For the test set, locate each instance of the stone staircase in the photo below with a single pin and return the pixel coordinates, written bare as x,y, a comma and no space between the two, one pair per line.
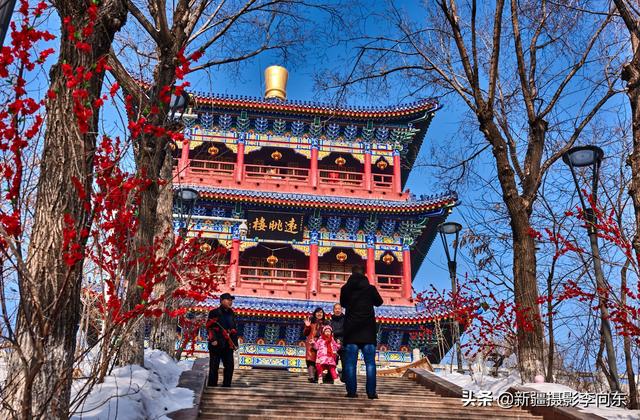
276,394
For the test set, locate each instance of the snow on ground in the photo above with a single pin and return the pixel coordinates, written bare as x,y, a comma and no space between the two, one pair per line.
479,380
3,367
606,412
136,393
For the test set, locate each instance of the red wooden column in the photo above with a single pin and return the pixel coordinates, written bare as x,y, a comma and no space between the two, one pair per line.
371,259
184,159
313,170
312,283
367,167
397,176
240,161
234,263
406,273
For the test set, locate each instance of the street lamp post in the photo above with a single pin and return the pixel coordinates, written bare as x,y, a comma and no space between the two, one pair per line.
446,229
591,157
6,10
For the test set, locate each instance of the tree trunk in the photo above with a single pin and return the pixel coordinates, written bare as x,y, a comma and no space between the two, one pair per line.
41,364
529,326
530,335
631,75
164,334
150,158
132,350
628,357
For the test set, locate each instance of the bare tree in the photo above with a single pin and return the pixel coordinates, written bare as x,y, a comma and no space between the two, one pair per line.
225,32
533,74
41,361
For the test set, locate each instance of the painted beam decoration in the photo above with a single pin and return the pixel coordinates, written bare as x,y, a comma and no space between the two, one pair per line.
275,225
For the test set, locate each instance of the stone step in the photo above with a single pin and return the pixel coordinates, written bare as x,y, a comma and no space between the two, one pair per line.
397,384
384,379
336,392
341,417
362,379
284,373
320,389
363,406
244,383
317,393
349,413
274,394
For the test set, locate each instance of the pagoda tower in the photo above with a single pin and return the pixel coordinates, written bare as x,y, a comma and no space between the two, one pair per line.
319,188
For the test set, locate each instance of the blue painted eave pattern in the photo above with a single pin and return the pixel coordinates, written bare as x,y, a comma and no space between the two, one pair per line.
413,203
295,306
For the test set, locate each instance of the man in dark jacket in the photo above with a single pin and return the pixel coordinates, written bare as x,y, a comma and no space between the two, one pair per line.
359,297
223,340
337,324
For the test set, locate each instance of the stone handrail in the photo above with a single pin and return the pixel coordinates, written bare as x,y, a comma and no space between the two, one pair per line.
447,389
195,380
399,371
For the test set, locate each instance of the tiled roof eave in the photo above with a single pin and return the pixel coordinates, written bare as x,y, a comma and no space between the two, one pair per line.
340,203
394,112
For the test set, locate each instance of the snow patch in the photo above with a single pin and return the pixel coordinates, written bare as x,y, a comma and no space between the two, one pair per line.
606,412
135,393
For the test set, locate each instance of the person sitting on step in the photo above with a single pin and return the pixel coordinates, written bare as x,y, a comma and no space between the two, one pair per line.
327,353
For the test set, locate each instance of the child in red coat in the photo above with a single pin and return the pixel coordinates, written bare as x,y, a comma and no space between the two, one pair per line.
327,348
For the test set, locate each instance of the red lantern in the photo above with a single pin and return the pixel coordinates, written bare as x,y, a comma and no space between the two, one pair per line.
272,260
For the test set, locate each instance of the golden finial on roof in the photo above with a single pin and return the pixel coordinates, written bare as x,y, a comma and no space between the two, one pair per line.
275,78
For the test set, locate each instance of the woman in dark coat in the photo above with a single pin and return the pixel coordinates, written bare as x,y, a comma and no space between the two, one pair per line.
312,328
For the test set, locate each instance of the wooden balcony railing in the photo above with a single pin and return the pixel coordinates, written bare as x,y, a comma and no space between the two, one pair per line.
340,178
273,276
330,279
294,280
387,282
204,171
277,173
383,181
210,168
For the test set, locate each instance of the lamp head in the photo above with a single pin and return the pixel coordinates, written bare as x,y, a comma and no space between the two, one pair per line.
187,195
178,103
583,156
449,228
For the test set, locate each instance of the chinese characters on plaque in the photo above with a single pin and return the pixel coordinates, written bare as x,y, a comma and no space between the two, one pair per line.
273,225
